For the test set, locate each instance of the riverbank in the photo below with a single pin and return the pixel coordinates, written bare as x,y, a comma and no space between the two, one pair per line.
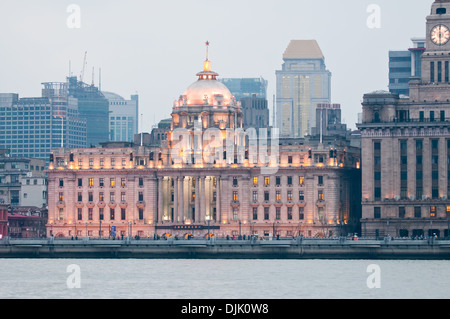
226,249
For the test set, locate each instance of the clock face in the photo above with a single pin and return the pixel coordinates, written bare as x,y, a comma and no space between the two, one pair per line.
440,35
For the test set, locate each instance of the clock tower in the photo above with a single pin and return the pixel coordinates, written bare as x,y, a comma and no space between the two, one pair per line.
434,85
436,58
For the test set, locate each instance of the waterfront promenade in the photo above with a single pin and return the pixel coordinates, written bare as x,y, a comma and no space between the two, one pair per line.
220,248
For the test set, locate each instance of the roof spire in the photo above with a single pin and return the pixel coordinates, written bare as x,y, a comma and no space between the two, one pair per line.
207,64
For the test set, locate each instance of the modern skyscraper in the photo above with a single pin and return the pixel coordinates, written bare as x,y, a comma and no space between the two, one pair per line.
94,107
32,127
123,117
404,65
302,83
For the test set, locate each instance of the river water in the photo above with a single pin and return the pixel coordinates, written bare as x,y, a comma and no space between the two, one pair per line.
223,279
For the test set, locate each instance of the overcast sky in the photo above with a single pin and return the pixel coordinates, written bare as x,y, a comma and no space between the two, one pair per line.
155,48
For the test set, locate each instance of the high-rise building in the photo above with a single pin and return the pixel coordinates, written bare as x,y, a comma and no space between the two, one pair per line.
406,146
32,127
252,93
302,83
246,87
123,117
94,107
404,65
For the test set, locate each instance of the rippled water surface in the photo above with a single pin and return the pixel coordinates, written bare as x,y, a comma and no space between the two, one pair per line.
221,279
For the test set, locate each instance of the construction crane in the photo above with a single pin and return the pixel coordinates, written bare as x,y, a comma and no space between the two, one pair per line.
84,65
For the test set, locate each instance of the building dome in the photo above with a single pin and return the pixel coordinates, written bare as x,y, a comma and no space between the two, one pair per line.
209,92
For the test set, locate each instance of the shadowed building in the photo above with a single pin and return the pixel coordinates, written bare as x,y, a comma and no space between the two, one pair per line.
406,146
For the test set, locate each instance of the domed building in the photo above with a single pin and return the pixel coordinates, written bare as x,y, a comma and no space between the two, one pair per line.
207,101
229,188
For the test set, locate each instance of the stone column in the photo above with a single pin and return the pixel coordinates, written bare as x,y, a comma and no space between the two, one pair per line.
160,198
181,209
175,199
218,196
197,197
202,200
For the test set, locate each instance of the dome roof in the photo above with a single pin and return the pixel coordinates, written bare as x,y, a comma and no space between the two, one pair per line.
212,90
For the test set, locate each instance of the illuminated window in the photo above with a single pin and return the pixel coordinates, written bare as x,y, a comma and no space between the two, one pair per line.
123,182
112,182
61,197
320,195
255,180
278,196
433,211
91,182
289,195
302,180
235,196
101,197
266,181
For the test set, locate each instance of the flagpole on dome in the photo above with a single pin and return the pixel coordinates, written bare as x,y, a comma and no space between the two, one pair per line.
207,64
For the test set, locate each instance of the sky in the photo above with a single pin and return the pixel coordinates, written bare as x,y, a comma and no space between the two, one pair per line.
155,48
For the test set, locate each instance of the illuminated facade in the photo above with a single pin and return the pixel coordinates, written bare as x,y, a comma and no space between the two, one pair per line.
210,178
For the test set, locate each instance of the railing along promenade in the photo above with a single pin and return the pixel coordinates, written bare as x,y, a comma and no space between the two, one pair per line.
283,248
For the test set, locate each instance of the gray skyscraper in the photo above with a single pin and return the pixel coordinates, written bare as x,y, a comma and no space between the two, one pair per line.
403,65
302,83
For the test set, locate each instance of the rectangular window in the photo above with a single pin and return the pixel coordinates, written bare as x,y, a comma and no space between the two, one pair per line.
266,196
289,195
278,213
141,197
101,182
80,182
101,213
255,196
112,182
80,213
123,197
91,182
255,213
266,213
377,212
417,212
432,72
301,213
266,181
235,181
301,196
289,213
320,195
101,196
141,181
401,212
90,196
80,197
90,213
141,213
255,180
278,196
123,182
289,180
235,196
278,181
301,180
112,213
61,183
446,72
439,76
320,180
123,214
112,197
